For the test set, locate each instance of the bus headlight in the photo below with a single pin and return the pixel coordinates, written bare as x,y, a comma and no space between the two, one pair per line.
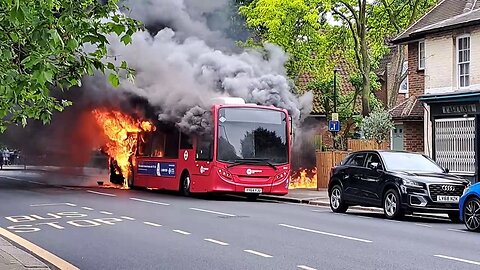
281,175
224,173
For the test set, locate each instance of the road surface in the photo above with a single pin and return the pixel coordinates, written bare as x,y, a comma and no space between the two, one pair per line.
98,228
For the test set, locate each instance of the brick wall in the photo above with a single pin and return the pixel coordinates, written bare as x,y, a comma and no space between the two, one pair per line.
413,136
416,78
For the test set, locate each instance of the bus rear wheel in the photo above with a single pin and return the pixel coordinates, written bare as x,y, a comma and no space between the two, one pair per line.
185,185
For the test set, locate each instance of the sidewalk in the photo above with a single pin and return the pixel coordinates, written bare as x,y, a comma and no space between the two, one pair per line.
312,197
14,258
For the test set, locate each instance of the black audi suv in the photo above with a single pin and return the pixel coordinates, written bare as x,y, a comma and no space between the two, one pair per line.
398,182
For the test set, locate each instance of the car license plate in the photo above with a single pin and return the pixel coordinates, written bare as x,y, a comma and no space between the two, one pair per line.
454,199
253,190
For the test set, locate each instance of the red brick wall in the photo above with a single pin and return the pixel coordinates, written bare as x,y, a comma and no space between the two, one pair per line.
413,136
416,78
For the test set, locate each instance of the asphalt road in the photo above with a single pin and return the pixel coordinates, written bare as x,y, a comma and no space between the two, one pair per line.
95,228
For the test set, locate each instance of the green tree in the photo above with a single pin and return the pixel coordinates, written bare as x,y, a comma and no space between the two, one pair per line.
298,27
377,126
47,44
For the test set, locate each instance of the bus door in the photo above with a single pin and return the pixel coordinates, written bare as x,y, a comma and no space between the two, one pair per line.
202,170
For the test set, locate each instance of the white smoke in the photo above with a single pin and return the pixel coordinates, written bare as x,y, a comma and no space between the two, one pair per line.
177,75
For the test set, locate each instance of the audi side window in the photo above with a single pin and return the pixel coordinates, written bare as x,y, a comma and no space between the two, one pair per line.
357,160
374,158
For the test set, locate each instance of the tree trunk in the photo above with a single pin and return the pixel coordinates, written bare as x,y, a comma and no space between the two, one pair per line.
398,76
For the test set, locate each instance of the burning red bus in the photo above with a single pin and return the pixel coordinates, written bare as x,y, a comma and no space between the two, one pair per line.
248,152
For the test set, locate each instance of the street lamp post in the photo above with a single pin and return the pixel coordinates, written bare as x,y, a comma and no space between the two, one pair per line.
335,103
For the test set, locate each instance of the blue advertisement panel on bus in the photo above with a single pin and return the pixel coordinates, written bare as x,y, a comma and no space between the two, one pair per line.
153,168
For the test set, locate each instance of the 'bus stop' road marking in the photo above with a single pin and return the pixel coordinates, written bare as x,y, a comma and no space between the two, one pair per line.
216,242
52,204
88,208
212,212
101,193
106,213
147,201
127,218
258,253
457,259
325,233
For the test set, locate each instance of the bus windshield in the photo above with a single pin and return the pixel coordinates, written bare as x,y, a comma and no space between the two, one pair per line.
252,134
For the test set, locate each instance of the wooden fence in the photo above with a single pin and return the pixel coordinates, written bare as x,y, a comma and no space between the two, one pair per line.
359,145
327,160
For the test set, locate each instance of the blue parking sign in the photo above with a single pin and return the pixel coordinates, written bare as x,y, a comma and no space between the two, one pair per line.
334,126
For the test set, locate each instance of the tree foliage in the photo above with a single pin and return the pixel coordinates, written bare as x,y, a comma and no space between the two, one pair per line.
377,126
48,44
296,26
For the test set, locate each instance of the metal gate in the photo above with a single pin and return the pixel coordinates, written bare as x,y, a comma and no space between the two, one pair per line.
455,144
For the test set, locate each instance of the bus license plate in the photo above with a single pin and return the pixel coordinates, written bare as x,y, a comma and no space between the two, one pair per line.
253,190
453,199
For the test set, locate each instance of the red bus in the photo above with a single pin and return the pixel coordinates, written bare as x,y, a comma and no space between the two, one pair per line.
249,152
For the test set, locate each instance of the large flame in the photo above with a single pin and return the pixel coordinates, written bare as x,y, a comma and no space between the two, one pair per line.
304,178
122,132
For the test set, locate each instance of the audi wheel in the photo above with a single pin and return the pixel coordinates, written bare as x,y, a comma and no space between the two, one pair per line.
336,201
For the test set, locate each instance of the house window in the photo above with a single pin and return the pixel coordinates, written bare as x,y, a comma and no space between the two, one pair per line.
421,55
455,144
404,85
463,59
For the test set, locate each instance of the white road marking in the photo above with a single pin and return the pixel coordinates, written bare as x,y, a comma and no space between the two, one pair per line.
87,208
101,193
106,213
457,259
393,220
22,180
423,225
147,201
212,212
52,204
326,233
127,218
152,224
258,253
322,211
456,230
216,242
182,232
305,267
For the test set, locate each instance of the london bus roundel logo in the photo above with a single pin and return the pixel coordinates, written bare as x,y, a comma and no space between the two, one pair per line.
185,155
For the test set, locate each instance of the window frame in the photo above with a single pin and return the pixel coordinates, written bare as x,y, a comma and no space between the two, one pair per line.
380,164
353,158
420,67
400,90
468,63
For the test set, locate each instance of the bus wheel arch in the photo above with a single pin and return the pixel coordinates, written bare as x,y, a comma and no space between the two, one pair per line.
185,183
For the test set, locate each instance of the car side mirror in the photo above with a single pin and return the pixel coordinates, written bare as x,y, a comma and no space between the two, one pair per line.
373,166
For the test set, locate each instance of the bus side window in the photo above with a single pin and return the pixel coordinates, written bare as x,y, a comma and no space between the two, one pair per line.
204,149
185,141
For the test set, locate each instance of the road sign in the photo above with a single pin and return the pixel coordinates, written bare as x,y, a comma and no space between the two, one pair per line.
334,116
334,126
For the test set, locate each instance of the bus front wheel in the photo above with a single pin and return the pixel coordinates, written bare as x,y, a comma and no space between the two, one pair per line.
185,185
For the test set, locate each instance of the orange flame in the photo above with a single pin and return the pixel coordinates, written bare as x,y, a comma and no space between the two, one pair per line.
122,133
304,178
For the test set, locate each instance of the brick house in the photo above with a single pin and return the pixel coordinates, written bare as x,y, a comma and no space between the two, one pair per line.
444,85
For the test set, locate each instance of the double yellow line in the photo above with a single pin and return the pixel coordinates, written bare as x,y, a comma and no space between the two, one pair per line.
40,252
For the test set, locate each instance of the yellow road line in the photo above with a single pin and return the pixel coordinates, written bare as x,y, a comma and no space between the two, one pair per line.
40,252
